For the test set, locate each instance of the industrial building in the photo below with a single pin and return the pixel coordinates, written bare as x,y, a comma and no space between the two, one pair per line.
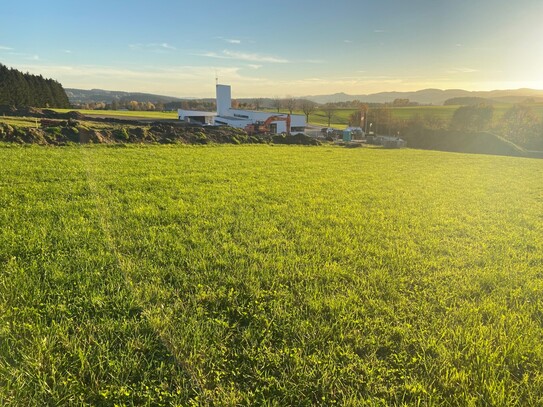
239,118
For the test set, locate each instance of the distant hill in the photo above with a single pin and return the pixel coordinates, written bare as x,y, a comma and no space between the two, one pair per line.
426,96
434,96
108,96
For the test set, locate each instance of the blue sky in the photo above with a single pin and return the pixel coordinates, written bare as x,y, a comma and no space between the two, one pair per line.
277,48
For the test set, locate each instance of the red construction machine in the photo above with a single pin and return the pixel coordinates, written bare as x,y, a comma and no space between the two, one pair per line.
264,127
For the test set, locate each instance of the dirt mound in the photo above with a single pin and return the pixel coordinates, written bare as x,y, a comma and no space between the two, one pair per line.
60,129
299,139
50,114
85,135
14,134
31,111
28,111
74,115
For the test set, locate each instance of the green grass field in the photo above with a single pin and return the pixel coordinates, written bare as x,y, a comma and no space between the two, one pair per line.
20,121
124,113
340,118
265,275
445,113
318,118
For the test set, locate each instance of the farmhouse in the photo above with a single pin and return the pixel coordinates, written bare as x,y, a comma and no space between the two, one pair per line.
239,118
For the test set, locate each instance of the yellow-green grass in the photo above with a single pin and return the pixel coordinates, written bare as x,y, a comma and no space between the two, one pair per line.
120,113
340,117
446,112
267,275
27,122
20,121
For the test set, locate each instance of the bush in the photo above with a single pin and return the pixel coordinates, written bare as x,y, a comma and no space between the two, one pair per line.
56,131
121,134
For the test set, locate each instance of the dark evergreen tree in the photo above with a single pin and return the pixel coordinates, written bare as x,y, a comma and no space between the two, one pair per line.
24,89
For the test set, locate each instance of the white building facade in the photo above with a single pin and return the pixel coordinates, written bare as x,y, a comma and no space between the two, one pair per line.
239,118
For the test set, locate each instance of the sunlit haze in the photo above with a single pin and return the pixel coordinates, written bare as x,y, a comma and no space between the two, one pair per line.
278,48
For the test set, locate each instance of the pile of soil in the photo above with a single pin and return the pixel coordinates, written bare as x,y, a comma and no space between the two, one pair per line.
65,128
299,139
62,132
27,111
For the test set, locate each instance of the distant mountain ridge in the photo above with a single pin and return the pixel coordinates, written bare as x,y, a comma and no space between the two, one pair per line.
425,96
432,96
108,96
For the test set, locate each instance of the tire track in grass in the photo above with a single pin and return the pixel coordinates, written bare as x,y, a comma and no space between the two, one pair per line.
124,263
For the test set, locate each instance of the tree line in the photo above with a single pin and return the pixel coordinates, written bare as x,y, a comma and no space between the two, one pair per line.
23,89
519,124
134,105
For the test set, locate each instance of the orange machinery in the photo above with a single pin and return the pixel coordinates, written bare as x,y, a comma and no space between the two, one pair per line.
264,127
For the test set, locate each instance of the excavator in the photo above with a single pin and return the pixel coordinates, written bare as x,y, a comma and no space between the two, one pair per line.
264,127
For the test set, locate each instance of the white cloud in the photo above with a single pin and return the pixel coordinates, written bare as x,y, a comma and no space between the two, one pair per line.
211,55
461,70
4,48
24,55
347,41
243,56
154,47
254,57
185,80
254,66
313,61
229,40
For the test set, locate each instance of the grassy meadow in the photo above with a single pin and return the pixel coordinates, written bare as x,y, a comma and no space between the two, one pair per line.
339,120
128,114
23,122
445,113
266,275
